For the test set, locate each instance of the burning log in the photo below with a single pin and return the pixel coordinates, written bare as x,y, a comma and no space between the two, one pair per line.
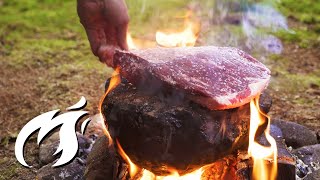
164,130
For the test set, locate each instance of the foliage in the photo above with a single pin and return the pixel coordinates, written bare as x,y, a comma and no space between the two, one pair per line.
307,29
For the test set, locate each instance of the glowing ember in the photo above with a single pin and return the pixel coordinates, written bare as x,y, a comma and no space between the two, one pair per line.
196,175
114,82
261,154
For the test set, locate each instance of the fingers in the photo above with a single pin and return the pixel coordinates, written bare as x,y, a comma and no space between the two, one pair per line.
96,38
89,12
92,19
106,24
106,53
116,14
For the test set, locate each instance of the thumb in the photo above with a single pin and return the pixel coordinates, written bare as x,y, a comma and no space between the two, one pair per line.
106,53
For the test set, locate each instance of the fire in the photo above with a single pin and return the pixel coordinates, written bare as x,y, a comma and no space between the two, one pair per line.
264,158
196,175
114,82
131,44
133,169
261,154
147,175
187,37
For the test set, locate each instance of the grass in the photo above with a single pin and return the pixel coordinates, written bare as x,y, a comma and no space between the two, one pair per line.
307,14
9,172
307,11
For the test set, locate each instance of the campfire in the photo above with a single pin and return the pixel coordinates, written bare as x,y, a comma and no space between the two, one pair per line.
261,161
176,110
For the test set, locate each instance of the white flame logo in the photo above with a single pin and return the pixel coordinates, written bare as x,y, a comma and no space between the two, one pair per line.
46,123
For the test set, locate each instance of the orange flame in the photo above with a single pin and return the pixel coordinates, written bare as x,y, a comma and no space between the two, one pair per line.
139,43
196,175
131,44
147,175
114,82
261,154
187,37
133,169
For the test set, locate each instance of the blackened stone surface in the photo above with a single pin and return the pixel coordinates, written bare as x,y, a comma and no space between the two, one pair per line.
164,130
265,101
296,135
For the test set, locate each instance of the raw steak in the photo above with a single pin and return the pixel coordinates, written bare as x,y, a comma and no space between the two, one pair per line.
215,77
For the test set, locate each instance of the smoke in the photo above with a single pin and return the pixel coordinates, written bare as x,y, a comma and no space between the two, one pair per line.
247,25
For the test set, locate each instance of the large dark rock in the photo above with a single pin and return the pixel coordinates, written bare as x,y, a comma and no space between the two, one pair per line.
159,130
296,135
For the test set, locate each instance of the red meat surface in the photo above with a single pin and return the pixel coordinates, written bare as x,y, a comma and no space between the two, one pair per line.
215,77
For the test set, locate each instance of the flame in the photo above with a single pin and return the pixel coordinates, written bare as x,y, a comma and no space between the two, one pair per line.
264,158
114,82
133,169
147,175
131,44
139,43
261,154
187,37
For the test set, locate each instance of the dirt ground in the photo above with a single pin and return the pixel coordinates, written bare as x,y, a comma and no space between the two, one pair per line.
37,76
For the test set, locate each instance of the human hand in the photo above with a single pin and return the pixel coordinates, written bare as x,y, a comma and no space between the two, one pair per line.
106,24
